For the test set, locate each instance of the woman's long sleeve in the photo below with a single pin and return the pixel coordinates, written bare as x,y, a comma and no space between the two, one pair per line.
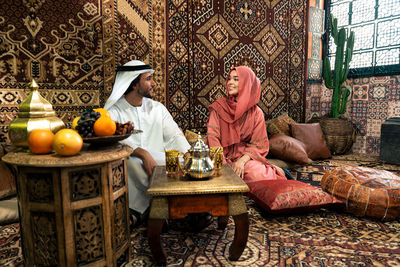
213,130
255,134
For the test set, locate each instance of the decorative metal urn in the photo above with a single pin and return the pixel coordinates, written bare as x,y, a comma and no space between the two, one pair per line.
199,165
35,112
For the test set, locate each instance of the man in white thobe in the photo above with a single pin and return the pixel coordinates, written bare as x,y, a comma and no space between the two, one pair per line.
131,100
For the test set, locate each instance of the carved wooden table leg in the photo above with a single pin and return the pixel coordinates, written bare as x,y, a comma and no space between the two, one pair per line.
153,234
241,234
222,222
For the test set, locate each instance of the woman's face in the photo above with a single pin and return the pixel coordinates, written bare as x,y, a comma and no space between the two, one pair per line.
233,83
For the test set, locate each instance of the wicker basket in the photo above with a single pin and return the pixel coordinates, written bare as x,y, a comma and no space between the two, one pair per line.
339,134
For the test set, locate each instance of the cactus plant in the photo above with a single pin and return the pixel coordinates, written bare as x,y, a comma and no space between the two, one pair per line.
342,61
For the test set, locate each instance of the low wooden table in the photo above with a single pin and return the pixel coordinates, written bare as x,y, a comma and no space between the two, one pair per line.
174,198
74,210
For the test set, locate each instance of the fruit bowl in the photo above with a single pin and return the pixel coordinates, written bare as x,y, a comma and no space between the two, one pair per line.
107,140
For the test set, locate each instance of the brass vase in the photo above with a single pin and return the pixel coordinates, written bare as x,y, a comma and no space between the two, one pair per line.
35,112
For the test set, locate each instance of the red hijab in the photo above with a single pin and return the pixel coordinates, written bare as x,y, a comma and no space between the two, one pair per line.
230,111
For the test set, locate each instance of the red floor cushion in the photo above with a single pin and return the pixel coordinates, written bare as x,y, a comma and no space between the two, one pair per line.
365,191
289,196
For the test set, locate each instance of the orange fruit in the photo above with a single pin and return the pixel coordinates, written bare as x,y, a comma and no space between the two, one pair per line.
104,126
75,122
103,112
67,142
40,141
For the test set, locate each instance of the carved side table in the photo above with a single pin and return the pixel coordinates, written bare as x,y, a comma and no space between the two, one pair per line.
74,210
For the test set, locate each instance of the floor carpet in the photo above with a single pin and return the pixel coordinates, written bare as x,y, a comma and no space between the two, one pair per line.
322,238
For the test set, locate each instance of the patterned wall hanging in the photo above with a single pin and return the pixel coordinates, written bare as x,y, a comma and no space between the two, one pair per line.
191,44
207,38
316,27
140,34
66,46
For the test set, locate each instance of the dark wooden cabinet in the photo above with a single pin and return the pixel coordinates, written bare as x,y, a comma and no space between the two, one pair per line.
390,141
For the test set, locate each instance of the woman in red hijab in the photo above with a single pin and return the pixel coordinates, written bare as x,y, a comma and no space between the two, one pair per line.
237,124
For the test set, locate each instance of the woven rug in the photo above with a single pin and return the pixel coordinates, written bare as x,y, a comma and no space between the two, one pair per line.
325,237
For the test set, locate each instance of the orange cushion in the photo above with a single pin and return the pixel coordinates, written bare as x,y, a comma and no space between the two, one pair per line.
366,191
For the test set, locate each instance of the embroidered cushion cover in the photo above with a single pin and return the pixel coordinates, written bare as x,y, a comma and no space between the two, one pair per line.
280,125
290,196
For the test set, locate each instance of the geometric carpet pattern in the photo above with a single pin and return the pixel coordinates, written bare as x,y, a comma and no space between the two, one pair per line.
325,237
320,238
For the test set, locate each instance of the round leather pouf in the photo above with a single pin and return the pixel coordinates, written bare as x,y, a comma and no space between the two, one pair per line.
365,191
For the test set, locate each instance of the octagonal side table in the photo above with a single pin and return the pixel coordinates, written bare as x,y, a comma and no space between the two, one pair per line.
74,210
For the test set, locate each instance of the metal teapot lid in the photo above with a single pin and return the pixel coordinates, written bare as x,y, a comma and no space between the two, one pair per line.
199,145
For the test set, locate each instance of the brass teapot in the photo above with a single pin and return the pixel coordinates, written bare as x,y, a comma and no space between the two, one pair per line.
199,165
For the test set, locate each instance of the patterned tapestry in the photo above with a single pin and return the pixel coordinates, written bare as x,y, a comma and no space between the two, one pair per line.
207,38
66,46
316,30
140,34
72,48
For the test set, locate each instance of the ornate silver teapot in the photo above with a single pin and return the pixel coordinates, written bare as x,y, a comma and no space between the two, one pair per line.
199,165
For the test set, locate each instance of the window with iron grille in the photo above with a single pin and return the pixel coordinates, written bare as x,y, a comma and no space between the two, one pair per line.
376,27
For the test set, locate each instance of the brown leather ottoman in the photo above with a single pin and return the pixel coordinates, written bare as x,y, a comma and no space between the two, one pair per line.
365,191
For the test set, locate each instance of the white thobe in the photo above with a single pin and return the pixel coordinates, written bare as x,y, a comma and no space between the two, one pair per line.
160,133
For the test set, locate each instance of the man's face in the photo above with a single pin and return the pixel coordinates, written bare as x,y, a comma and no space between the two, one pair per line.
146,85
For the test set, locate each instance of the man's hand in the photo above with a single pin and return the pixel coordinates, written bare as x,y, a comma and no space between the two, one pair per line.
238,166
148,161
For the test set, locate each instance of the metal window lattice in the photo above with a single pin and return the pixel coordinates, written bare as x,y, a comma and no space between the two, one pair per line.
376,26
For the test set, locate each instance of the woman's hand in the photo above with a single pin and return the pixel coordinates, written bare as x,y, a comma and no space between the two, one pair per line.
238,166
